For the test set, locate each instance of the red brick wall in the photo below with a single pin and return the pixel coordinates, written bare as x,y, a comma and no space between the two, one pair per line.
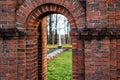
117,25
97,61
95,57
8,48
31,16
97,53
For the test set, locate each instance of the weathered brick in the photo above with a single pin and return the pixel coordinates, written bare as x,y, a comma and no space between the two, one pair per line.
94,57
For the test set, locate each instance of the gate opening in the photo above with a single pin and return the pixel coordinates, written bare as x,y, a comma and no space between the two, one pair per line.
28,17
56,39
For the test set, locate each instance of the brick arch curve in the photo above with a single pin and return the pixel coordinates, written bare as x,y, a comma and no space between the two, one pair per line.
75,11
47,9
28,17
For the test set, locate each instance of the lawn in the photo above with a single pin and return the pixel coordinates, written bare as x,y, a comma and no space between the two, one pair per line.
55,46
60,68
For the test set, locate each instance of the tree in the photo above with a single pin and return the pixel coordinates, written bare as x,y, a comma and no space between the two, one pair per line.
50,34
56,24
67,36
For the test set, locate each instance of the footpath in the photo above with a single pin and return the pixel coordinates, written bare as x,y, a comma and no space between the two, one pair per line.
55,53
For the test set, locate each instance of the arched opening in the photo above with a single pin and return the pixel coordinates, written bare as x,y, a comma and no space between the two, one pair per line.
38,27
42,48
59,55
36,33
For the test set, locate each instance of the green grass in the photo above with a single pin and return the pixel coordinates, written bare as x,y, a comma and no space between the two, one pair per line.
60,68
55,46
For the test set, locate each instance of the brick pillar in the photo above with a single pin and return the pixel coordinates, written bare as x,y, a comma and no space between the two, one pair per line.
97,52
111,10
113,59
36,61
78,56
81,59
117,24
8,47
118,59
42,50
97,60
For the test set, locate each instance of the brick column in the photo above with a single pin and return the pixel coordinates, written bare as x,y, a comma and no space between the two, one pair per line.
97,52
78,56
42,50
117,24
97,60
36,52
118,59
8,47
111,10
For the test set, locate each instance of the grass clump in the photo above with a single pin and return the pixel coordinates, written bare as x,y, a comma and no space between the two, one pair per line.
60,68
55,46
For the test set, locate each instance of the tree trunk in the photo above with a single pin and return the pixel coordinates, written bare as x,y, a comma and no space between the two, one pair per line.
50,29
56,36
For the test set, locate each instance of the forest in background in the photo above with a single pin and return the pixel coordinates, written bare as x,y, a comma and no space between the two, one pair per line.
58,25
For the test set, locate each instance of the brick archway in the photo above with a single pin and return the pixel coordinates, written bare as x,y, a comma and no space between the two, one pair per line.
95,48
73,10
30,14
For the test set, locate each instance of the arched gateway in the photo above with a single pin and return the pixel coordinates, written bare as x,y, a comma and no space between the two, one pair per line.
30,16
94,31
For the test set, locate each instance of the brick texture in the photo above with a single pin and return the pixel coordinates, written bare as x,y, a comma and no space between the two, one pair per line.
94,33
8,48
